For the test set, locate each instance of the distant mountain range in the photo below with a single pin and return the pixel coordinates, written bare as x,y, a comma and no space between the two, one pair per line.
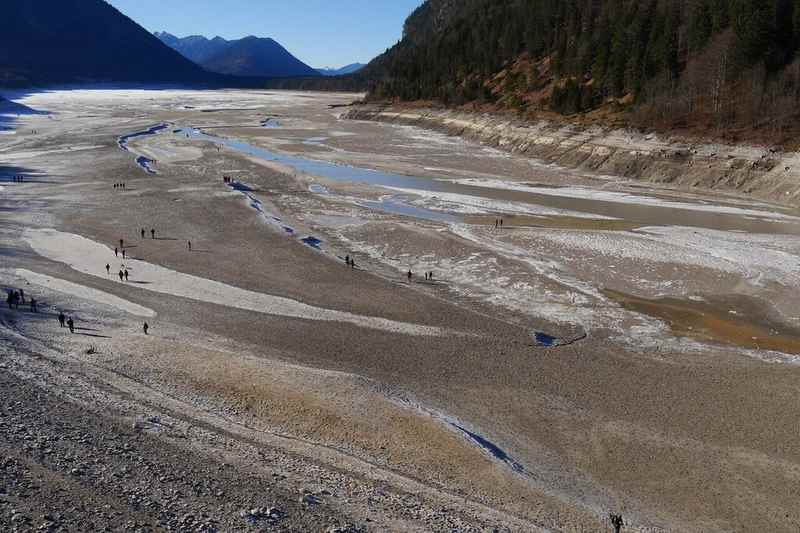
348,69
250,56
70,41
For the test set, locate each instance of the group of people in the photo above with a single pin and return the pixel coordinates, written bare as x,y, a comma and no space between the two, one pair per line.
410,275
350,261
17,297
19,178
119,186
66,322
498,223
227,179
123,272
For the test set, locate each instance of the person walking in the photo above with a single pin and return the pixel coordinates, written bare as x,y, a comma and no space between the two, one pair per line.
116,252
71,325
121,275
10,299
142,233
146,327
347,260
190,245
126,274
410,275
61,318
153,233
123,253
34,309
122,243
108,269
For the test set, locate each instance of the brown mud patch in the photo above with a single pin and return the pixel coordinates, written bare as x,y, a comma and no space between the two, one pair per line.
733,320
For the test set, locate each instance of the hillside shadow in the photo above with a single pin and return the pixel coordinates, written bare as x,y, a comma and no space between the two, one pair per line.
8,174
11,112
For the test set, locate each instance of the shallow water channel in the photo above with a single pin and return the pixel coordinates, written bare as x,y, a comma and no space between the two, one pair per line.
645,214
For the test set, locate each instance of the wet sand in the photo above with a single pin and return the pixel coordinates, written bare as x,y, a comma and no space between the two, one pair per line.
676,435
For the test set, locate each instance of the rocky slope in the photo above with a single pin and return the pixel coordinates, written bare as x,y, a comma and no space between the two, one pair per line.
764,172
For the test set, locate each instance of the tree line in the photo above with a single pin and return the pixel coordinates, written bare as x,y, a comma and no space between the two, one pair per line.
713,63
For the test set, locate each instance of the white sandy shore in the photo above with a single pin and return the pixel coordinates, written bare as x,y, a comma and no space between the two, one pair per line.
82,292
476,205
89,257
622,198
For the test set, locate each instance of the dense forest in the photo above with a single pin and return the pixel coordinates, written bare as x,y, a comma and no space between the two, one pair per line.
699,64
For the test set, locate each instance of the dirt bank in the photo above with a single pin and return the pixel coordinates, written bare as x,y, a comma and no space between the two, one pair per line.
763,172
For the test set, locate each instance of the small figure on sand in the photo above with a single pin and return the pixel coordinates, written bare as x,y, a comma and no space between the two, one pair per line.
61,318
122,243
190,245
126,274
121,275
71,325
153,233
146,327
616,522
410,275
123,253
108,269
496,223
430,276
347,260
142,233
116,252
501,223
34,309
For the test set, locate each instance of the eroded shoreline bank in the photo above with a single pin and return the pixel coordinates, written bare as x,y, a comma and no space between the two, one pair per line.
761,172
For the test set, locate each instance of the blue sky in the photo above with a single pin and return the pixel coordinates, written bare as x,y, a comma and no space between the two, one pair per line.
321,33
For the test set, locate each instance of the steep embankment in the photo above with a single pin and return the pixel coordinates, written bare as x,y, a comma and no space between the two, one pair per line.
763,172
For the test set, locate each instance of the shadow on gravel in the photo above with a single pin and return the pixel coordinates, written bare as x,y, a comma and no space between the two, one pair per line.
10,112
21,253
14,319
8,173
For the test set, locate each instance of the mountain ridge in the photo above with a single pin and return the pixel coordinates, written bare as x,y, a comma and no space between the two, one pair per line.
249,56
352,68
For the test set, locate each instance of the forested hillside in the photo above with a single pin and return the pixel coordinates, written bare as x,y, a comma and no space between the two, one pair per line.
57,41
699,64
